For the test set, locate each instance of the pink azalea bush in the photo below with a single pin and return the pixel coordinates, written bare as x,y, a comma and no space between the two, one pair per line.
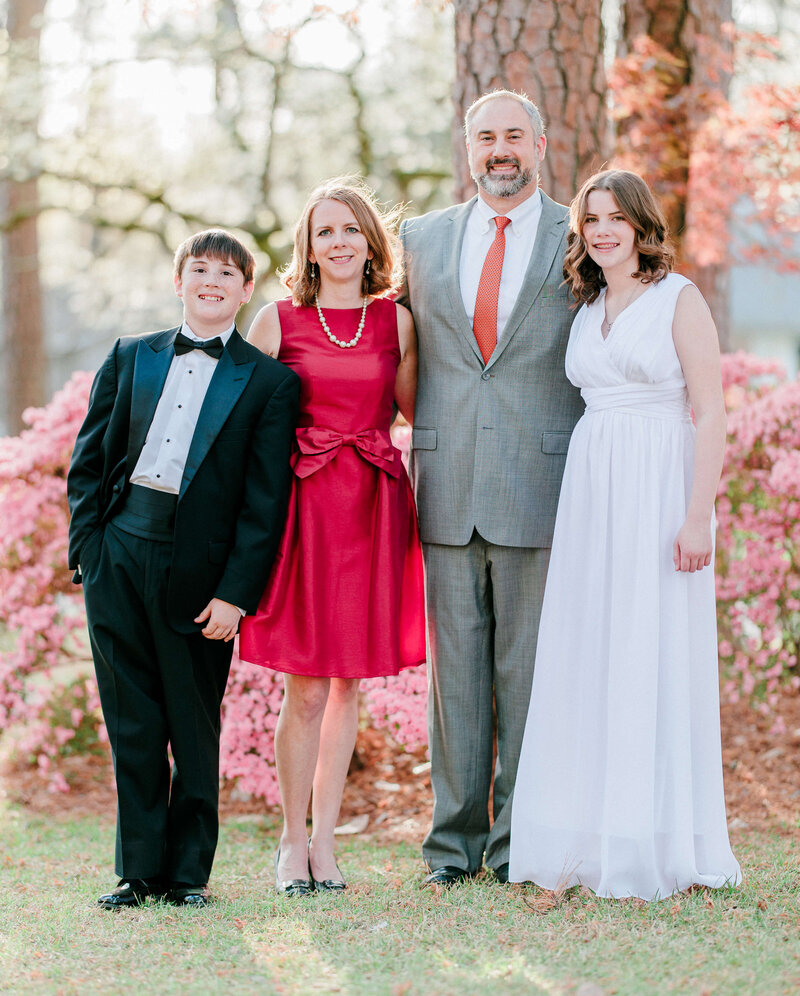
40,609
249,716
42,617
42,621
758,544
399,705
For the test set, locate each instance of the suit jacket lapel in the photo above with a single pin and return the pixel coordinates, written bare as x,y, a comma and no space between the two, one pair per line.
549,234
451,267
234,370
151,366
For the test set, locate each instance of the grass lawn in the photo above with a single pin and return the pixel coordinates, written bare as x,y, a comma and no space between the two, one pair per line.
385,935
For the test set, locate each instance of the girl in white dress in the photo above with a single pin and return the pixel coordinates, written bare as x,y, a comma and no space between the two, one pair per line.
619,785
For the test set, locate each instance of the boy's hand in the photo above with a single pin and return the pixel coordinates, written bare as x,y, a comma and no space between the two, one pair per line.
223,620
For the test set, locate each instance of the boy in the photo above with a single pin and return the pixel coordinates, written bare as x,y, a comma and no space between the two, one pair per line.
177,491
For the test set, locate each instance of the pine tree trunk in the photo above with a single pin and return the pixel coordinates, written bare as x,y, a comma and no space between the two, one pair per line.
677,26
553,52
25,363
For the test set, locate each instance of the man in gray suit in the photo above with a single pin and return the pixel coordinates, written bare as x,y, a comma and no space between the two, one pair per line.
493,420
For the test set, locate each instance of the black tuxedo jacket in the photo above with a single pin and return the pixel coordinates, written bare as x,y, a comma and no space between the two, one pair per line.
233,496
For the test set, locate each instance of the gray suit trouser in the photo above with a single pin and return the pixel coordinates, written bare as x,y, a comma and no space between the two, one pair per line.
483,604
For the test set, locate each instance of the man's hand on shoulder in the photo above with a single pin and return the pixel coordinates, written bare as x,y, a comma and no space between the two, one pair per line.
221,619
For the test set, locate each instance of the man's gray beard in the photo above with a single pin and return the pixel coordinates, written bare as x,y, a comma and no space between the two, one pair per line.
499,187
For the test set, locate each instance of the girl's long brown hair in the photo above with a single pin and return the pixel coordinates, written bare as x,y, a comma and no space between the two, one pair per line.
636,202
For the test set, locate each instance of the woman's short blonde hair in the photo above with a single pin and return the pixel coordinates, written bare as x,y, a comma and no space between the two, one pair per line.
636,202
385,275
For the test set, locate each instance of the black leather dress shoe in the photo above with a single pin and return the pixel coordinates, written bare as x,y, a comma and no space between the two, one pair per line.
446,876
500,874
292,887
196,896
130,892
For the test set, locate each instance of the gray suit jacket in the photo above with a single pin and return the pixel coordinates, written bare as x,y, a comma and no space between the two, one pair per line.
489,445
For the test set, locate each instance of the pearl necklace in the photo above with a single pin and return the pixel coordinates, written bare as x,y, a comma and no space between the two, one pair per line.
331,336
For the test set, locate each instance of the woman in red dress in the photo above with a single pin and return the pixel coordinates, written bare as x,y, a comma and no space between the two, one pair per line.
345,600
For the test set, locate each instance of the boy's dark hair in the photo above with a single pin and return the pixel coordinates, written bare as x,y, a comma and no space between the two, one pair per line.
218,244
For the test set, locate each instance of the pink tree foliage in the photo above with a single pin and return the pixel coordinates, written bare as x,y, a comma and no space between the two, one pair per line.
758,544
742,154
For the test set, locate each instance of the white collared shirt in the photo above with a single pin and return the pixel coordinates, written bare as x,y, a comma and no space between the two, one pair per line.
478,237
163,458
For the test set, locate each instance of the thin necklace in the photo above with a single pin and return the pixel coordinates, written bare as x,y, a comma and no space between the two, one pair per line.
331,336
605,325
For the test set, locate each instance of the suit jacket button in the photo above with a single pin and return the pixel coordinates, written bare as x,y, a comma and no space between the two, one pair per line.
485,375
115,488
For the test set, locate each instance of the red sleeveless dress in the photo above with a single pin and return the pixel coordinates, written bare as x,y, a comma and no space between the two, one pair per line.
346,597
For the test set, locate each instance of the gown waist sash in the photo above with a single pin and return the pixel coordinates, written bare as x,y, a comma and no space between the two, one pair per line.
665,400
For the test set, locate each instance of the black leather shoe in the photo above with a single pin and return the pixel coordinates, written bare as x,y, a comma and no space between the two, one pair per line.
326,884
196,896
446,876
292,887
130,892
500,874
330,884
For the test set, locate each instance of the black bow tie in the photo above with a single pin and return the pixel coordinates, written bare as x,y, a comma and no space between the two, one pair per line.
183,344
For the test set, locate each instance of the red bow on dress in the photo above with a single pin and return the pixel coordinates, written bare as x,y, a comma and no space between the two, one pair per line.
317,446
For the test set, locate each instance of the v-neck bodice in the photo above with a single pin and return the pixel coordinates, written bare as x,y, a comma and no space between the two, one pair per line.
639,352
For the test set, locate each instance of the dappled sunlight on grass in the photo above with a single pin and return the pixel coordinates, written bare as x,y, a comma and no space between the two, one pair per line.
385,936
515,970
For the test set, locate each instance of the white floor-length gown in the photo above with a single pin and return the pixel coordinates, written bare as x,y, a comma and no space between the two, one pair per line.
619,784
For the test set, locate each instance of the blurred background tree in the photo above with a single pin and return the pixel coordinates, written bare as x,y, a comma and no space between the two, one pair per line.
128,124
692,79
554,52
154,121
25,360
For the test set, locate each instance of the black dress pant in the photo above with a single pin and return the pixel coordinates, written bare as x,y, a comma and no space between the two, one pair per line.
157,688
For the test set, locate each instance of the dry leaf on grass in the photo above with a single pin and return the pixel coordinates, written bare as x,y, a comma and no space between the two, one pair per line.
544,901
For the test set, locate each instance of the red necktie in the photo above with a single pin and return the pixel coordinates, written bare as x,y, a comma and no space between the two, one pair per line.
484,323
